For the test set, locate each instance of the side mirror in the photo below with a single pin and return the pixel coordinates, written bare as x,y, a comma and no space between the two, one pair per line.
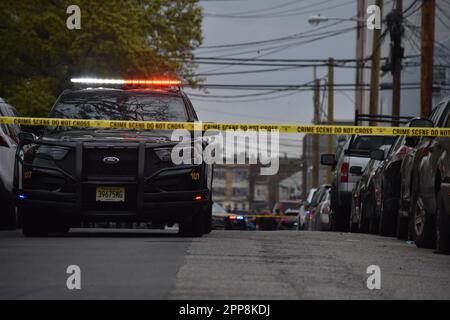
421,123
377,155
27,137
328,160
356,170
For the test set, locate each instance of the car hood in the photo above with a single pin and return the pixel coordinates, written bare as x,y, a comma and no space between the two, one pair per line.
109,136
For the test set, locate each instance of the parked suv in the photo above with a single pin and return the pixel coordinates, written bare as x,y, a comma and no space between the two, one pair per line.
355,153
8,143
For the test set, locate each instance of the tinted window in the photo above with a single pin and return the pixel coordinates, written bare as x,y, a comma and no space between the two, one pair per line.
442,123
319,195
290,205
121,105
368,143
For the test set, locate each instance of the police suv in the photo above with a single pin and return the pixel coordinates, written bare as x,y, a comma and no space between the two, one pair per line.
70,175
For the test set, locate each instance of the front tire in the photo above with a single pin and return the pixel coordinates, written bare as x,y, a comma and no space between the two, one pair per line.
373,219
424,226
8,218
387,227
402,227
33,223
442,226
208,219
341,219
193,227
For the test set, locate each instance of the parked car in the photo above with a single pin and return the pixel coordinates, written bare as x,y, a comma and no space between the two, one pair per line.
314,205
387,183
364,213
304,210
424,176
430,197
321,220
355,153
289,209
218,216
9,138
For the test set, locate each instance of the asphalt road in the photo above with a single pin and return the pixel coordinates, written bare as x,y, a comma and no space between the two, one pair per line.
147,264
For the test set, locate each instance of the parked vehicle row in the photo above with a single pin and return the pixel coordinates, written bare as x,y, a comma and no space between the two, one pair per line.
354,155
395,186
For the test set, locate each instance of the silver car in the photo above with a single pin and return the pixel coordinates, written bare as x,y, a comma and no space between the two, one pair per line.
9,137
355,153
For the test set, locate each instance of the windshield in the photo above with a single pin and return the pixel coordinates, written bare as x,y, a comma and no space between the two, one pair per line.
291,206
218,209
121,105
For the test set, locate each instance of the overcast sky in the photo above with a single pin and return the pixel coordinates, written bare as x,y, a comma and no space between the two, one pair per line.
296,108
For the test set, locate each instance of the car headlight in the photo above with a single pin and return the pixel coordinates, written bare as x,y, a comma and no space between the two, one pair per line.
52,152
192,154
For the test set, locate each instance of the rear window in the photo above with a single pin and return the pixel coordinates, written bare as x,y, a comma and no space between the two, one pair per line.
365,144
121,105
319,194
290,205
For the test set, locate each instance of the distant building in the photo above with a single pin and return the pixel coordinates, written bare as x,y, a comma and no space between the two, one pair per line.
290,188
241,188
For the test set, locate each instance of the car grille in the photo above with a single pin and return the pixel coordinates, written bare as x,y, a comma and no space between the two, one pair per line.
94,166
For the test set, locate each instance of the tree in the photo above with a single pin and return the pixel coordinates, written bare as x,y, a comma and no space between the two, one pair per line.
118,38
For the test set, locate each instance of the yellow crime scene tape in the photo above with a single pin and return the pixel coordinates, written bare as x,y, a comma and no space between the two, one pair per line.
272,216
244,127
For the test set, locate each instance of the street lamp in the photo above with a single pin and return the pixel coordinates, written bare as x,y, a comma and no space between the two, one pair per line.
317,19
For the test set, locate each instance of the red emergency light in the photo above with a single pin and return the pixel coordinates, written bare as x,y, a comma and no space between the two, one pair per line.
129,82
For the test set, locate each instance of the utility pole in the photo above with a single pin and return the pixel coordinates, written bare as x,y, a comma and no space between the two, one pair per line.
315,137
361,34
330,112
395,25
427,55
375,72
305,167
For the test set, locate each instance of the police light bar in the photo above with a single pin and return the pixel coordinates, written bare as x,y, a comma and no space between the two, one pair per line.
131,82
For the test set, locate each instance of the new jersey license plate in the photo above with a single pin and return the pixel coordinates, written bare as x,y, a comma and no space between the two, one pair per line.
110,194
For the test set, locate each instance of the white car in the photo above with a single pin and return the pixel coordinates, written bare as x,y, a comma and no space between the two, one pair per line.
304,210
322,215
355,154
9,138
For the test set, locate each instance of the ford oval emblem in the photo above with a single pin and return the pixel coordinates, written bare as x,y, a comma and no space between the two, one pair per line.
111,160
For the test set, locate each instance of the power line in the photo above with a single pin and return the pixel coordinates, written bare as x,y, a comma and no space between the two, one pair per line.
278,47
268,8
291,37
281,14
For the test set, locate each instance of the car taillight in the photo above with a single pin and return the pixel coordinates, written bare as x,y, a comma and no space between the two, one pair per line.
3,142
426,150
401,153
344,172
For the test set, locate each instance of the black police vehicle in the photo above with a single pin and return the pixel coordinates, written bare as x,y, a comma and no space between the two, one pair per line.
71,175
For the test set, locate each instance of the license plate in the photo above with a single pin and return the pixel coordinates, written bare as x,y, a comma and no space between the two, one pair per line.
110,194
